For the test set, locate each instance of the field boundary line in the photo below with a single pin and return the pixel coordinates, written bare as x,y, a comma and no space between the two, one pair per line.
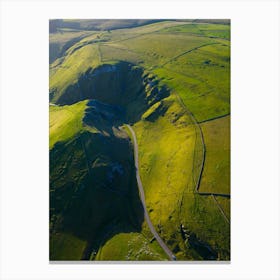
203,151
201,137
214,118
196,35
186,52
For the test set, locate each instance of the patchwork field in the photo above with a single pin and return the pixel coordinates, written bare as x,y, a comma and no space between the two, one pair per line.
170,81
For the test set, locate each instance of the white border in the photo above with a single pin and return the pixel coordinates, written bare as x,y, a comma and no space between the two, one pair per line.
24,138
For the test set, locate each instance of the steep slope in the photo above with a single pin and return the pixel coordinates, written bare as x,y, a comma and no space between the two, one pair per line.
93,192
92,185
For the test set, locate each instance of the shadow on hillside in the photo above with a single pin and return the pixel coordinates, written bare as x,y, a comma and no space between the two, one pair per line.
122,85
93,190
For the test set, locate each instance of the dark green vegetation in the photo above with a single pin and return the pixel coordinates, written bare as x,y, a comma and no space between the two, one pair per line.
171,81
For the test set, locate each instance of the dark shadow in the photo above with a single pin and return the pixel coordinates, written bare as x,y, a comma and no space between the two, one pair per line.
93,190
103,117
122,84
201,247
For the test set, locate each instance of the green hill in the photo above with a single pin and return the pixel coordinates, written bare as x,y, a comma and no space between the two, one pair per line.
171,81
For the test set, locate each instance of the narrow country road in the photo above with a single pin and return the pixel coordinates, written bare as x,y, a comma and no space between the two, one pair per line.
142,197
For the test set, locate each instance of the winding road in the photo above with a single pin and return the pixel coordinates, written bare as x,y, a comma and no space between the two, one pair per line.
142,197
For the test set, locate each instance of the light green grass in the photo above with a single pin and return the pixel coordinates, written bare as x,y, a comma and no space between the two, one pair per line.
73,66
209,30
165,161
202,79
216,173
157,48
110,52
130,247
152,110
166,158
59,42
65,122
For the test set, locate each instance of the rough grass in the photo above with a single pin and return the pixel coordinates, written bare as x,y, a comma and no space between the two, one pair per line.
111,52
224,204
149,28
165,162
72,67
216,173
59,42
83,199
201,215
130,247
65,122
202,79
208,30
166,151
158,48
66,247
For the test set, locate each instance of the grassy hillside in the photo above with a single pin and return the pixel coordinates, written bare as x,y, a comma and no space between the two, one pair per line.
72,67
65,122
201,78
60,41
93,194
167,79
216,178
65,246
130,247
206,30
97,24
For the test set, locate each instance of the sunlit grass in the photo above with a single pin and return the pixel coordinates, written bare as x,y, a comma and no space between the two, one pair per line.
65,122
216,176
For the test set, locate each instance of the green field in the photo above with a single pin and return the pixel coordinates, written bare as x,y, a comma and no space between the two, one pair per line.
216,178
205,30
170,80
